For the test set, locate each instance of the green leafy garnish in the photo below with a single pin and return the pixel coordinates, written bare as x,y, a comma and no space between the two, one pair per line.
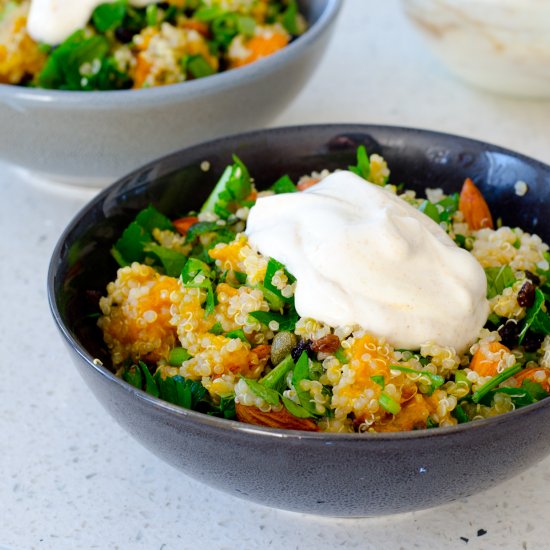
536,318
284,185
109,16
199,67
362,168
178,356
275,379
267,394
435,379
498,278
388,403
238,333
132,375
150,384
430,210
494,382
180,391
230,191
287,322
295,409
379,379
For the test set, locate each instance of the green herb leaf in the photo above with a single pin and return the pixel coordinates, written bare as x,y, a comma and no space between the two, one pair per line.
150,384
171,260
216,329
430,210
388,403
284,185
199,67
109,16
286,322
238,333
340,354
178,356
435,379
536,319
276,378
295,409
301,370
494,382
498,278
379,379
132,375
362,168
460,414
268,395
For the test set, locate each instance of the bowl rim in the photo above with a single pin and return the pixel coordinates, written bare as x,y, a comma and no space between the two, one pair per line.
183,90
217,423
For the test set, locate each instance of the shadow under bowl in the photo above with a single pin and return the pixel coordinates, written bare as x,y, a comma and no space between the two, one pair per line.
318,473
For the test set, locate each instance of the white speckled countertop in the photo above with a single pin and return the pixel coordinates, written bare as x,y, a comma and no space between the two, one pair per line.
71,478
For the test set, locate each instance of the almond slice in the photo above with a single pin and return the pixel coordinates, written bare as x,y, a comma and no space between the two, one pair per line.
472,204
274,419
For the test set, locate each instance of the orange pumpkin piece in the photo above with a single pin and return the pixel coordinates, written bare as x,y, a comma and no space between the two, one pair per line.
474,207
484,365
531,374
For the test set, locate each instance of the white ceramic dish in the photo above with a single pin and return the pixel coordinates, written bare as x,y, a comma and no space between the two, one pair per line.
502,46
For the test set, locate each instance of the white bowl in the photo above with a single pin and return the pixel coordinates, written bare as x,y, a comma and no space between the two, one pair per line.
502,46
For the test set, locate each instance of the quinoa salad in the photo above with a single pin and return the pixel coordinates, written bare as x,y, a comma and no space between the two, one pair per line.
197,316
133,44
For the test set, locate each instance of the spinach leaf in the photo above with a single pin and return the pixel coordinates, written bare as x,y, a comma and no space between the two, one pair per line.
109,16
498,278
171,260
295,409
430,210
268,395
231,190
284,185
362,168
536,319
286,322
150,384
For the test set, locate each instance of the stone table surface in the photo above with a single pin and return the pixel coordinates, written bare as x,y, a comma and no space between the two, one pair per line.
72,478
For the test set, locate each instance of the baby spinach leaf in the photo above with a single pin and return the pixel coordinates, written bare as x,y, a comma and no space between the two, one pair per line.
276,377
109,16
178,356
498,278
284,185
362,168
172,261
268,395
295,409
536,319
430,210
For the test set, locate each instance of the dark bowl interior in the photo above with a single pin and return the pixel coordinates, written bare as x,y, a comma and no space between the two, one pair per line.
329,474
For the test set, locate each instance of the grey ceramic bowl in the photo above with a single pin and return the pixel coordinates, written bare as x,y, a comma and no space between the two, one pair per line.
92,138
328,474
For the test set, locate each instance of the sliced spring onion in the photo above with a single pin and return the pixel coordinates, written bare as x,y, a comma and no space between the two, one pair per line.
495,381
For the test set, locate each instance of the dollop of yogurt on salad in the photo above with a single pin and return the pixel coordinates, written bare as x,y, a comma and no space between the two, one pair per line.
52,21
363,256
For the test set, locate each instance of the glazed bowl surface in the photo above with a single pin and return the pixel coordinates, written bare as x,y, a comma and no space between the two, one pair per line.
502,47
93,138
317,473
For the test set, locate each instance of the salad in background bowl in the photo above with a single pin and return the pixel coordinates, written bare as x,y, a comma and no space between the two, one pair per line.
101,110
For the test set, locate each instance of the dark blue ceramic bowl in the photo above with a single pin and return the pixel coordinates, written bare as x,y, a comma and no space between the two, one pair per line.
328,474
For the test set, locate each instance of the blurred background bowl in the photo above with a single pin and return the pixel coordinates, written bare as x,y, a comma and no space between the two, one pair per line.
92,138
319,473
502,46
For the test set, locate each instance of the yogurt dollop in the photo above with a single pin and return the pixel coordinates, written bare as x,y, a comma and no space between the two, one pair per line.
363,256
52,21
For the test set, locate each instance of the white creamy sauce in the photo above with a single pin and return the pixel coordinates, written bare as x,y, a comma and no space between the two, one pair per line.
52,21
363,256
